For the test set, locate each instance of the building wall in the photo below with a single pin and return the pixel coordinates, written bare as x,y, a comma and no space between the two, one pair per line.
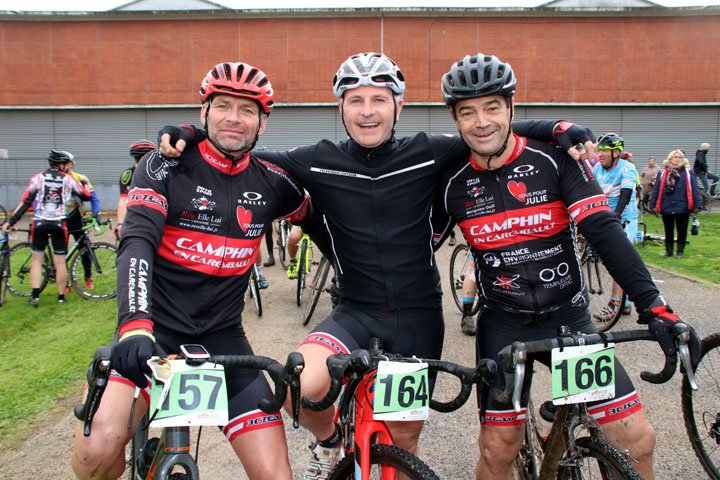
561,59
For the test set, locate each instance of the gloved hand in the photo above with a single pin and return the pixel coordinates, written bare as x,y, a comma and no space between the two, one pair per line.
567,135
117,230
131,354
172,140
97,217
660,319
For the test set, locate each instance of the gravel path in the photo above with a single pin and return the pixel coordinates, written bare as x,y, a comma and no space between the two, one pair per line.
449,441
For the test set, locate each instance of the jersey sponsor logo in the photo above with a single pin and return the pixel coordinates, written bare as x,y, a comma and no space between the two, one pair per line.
146,197
203,190
507,283
244,218
525,224
491,259
137,285
587,206
203,203
207,253
157,167
522,171
556,277
126,177
522,255
517,190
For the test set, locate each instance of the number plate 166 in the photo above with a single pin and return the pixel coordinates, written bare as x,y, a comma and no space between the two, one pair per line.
583,374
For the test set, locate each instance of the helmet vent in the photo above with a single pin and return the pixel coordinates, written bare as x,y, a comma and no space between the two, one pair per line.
228,72
251,76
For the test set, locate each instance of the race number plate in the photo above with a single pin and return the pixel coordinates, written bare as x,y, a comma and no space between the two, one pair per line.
402,391
197,396
583,374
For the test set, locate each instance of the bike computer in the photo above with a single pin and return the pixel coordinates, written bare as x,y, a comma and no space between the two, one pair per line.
194,353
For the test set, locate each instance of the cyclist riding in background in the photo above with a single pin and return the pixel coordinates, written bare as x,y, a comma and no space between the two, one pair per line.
137,150
518,202
192,231
375,192
618,178
702,172
74,220
50,193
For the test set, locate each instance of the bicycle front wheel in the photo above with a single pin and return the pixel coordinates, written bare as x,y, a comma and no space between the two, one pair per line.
302,270
596,459
19,279
460,261
317,286
701,408
104,273
385,461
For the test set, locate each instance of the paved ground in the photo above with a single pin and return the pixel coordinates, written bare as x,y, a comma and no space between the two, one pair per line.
449,441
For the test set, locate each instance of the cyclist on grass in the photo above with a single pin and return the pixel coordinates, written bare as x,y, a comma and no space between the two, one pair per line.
521,200
137,151
375,192
50,193
74,220
191,235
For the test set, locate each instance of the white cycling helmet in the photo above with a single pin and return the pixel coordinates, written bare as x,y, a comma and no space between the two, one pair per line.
368,69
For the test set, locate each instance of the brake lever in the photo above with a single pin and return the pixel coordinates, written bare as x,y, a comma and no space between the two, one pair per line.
293,368
519,358
683,339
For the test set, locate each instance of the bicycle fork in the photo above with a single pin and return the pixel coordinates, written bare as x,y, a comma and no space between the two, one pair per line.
172,450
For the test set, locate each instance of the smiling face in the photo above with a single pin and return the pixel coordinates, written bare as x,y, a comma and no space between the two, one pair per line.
232,123
369,114
484,124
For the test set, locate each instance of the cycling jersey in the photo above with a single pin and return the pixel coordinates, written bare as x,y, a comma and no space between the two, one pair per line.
191,235
520,222
51,195
622,176
125,179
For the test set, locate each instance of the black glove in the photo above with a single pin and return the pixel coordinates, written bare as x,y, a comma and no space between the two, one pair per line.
660,319
190,134
567,134
130,358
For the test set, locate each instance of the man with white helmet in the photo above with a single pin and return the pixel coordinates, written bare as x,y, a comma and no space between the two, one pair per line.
700,167
374,193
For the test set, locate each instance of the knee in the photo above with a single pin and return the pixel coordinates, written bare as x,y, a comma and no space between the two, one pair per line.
97,455
498,447
636,436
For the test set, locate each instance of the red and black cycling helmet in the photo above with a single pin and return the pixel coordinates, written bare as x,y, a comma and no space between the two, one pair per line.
58,157
477,76
240,80
140,148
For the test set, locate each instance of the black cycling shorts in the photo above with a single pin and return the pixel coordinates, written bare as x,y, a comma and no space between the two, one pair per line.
244,386
496,330
408,332
56,232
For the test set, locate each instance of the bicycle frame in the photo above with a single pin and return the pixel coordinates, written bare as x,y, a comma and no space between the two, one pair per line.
172,450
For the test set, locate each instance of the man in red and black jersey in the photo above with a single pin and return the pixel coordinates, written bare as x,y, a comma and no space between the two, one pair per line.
519,202
189,240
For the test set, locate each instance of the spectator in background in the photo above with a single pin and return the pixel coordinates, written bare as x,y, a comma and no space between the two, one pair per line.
675,195
700,167
647,178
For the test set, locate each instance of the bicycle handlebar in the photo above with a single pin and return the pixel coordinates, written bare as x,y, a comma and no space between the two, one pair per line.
512,357
282,376
92,222
358,363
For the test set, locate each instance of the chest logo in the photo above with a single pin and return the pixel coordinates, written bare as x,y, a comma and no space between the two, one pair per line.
244,218
518,190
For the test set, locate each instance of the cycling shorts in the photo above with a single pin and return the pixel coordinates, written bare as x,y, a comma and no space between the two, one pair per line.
408,332
244,386
56,233
498,329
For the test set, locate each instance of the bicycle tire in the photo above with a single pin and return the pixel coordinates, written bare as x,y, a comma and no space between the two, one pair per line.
700,407
104,272
19,280
3,215
317,286
387,455
301,270
458,269
4,273
599,285
254,292
611,464
283,233
707,203
529,459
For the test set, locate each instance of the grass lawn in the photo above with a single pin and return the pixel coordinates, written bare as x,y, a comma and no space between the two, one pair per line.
701,256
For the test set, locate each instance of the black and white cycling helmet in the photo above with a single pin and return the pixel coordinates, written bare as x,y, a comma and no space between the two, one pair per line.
477,76
58,157
368,69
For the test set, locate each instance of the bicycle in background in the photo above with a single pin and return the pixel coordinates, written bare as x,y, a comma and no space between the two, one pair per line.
282,234
305,259
375,386
253,290
580,373
102,261
202,379
4,265
462,265
709,198
317,287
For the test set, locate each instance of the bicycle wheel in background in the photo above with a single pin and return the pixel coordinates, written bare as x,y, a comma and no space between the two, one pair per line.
707,203
282,235
104,272
317,286
701,408
598,459
460,261
529,460
599,284
385,456
19,279
4,273
3,215
302,269
254,291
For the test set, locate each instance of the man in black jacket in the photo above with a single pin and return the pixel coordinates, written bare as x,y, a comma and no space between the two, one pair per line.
700,167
